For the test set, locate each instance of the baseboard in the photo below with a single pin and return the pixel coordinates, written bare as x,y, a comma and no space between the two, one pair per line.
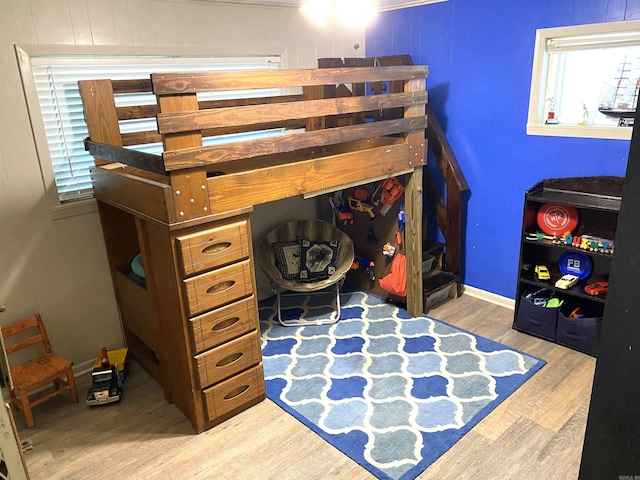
489,297
83,368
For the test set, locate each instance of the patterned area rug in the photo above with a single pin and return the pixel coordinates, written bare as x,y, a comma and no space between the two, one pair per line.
391,391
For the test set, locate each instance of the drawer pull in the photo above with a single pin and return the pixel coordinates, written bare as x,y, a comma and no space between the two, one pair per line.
217,248
230,322
236,392
219,287
229,360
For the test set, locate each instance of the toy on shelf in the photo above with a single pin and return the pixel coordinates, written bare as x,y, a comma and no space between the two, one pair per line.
597,288
542,272
567,281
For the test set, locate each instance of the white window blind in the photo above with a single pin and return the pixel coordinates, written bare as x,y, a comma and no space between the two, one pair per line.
55,81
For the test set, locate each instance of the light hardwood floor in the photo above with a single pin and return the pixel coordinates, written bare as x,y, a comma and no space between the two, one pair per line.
537,433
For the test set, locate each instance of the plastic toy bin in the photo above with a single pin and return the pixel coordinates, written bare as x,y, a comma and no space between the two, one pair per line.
581,334
537,320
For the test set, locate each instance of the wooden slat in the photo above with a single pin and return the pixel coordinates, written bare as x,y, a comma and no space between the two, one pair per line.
316,92
131,86
259,186
383,61
186,121
100,113
133,158
138,138
188,158
135,112
134,192
173,83
149,111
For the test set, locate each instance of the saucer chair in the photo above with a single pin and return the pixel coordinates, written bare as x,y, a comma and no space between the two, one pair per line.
289,235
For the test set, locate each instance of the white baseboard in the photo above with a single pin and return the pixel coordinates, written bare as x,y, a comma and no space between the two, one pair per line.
489,297
83,368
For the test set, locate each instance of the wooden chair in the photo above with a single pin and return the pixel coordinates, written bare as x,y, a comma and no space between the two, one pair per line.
36,372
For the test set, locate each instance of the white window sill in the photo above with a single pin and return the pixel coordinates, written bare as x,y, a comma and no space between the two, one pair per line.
613,133
72,209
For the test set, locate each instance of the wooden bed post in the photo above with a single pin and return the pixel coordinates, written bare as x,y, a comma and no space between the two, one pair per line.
189,187
100,113
413,205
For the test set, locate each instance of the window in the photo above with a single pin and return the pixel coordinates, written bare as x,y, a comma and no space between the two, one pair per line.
585,81
58,121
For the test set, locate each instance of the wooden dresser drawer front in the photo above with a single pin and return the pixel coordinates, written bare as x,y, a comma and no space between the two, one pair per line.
234,392
213,328
226,360
219,287
214,247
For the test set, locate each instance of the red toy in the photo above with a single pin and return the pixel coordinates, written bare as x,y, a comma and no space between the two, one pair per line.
391,190
598,288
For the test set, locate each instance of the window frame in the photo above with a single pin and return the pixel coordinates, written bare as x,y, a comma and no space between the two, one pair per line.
539,77
24,54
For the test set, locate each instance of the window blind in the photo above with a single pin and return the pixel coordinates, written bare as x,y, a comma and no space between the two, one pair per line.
56,85
599,40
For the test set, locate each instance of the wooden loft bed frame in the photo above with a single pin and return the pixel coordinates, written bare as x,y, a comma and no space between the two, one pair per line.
192,322
188,183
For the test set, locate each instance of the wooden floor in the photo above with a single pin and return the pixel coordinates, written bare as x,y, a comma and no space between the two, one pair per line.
537,433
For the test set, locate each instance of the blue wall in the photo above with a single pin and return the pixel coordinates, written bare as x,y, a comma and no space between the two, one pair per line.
480,56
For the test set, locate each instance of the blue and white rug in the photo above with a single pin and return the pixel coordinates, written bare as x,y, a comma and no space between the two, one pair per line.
391,391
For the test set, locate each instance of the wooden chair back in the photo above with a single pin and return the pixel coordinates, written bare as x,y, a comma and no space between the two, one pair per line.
37,371
34,321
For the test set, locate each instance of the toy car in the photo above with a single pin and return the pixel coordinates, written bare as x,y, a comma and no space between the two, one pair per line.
567,281
598,288
542,273
105,387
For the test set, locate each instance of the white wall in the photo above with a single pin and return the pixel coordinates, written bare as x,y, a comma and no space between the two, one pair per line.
59,267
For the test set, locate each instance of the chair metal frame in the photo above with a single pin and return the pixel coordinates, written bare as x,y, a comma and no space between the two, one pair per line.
301,321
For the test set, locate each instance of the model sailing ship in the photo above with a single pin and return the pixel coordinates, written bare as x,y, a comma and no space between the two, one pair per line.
621,102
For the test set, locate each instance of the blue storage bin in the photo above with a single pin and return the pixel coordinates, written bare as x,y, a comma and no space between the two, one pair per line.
537,320
582,334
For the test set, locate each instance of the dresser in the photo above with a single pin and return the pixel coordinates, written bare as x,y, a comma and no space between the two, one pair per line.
193,322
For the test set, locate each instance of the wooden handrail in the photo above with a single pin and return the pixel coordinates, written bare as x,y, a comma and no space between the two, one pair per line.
449,215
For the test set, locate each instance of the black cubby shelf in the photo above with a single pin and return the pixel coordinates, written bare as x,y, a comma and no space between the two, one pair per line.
597,200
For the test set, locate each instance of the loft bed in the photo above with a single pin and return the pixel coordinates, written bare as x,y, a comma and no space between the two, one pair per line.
198,192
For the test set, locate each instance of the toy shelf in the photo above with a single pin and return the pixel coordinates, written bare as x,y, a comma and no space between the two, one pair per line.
576,322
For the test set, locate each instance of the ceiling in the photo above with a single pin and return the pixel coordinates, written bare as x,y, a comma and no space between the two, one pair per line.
382,4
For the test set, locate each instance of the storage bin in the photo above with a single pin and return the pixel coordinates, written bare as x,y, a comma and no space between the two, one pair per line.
427,262
537,320
581,334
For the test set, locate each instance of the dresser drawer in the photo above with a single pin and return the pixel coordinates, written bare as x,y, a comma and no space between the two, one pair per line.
212,248
243,389
217,326
218,287
226,360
